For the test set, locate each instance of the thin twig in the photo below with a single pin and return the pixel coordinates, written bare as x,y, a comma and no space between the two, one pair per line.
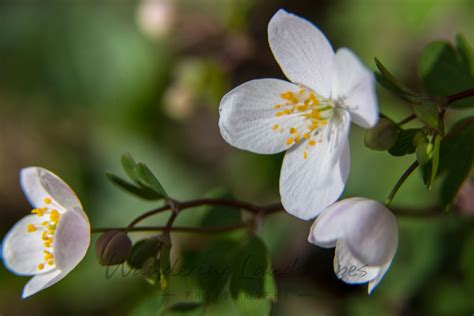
407,119
460,95
182,229
400,181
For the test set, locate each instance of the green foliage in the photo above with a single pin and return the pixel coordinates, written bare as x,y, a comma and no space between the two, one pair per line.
427,112
142,251
220,215
146,184
405,143
164,262
181,309
447,69
150,306
456,158
389,82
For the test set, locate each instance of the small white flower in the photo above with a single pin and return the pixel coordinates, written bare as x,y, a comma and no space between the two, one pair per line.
365,234
50,243
309,116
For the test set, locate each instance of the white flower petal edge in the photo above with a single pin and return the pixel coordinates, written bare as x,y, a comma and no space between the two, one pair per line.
51,243
365,234
309,117
302,51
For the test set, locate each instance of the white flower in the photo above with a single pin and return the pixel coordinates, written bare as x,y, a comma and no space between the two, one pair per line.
365,234
50,243
309,116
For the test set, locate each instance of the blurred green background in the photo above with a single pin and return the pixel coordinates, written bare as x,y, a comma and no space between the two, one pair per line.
82,82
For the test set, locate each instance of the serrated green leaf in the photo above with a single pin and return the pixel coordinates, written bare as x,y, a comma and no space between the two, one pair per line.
446,70
456,158
147,178
252,272
405,143
141,192
427,112
129,165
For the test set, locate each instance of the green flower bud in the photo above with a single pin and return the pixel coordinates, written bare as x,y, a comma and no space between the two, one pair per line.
383,136
112,248
424,152
142,251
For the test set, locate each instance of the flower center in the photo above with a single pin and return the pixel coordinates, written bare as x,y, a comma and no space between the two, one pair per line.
47,229
312,113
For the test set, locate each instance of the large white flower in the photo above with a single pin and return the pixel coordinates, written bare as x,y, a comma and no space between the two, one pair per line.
50,243
309,116
365,234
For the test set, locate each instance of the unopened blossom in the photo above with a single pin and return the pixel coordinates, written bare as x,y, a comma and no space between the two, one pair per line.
365,234
308,116
51,241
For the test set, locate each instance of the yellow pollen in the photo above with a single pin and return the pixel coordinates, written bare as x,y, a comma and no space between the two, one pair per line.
289,141
40,266
307,136
54,217
292,130
312,142
51,262
47,200
31,228
305,154
47,244
48,256
275,127
45,236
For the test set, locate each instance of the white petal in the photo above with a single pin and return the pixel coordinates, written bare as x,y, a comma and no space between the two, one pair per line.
41,282
330,225
376,281
308,186
23,251
71,240
247,116
351,270
371,232
355,85
38,183
302,51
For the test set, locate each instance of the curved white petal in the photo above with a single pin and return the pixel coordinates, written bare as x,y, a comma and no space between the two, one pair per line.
371,232
302,51
330,225
247,116
71,240
373,283
350,269
38,183
23,251
354,85
41,282
308,186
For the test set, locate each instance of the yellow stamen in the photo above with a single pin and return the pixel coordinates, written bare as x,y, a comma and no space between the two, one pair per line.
40,266
292,130
312,142
289,141
31,228
275,127
47,200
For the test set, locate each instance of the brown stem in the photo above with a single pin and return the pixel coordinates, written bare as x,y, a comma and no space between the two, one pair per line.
400,181
460,95
407,119
182,229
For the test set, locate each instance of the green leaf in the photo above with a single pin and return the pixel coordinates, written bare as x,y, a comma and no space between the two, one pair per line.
446,70
435,160
252,272
129,165
456,158
253,306
151,306
218,267
427,112
389,82
218,216
405,142
142,251
142,192
165,263
184,309
147,178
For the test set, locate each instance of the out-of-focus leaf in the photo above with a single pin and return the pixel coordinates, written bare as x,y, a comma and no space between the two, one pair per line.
405,143
129,165
446,70
456,158
466,51
248,305
165,264
151,306
427,112
142,192
184,309
218,261
252,272
389,82
147,178
435,160
142,251
467,258
218,216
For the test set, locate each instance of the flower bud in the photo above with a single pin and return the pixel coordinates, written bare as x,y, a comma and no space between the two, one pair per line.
142,251
383,136
424,152
113,247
